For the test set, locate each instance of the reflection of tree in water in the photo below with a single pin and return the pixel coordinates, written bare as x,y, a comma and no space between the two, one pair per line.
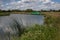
19,27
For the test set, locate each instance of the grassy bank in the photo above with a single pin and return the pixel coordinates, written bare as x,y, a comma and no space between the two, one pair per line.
53,19
44,13
37,32
49,31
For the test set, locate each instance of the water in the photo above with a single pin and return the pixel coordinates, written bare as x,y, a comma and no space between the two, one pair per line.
7,27
11,25
27,20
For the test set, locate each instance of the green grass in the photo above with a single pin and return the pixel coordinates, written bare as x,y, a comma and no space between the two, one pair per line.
39,32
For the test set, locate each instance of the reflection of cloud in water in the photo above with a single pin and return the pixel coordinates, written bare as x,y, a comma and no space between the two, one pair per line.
9,24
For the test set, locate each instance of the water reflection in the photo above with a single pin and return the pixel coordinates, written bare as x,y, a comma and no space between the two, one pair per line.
11,25
28,20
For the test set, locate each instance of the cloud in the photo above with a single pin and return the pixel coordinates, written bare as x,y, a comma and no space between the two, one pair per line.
31,4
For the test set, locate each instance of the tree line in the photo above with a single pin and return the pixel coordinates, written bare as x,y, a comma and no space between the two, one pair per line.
29,10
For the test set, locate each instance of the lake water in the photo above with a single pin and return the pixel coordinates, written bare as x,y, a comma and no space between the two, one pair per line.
9,24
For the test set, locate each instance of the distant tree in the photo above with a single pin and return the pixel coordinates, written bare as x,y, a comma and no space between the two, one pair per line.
59,10
28,10
9,11
53,10
41,10
0,10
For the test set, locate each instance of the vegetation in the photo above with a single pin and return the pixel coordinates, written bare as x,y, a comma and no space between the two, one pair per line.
8,12
29,10
49,31
39,33
53,19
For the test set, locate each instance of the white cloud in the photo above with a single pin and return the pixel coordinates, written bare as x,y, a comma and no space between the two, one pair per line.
31,4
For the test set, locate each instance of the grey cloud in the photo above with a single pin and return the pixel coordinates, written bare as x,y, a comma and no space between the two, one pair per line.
29,4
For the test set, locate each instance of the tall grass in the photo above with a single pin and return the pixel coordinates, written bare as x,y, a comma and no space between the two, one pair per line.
55,22
38,32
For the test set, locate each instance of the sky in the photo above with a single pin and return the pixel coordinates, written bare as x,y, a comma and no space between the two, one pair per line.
29,4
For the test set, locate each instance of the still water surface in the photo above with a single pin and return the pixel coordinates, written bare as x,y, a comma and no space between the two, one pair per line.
9,24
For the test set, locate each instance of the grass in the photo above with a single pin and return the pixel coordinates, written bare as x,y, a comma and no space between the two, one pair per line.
53,19
39,32
52,14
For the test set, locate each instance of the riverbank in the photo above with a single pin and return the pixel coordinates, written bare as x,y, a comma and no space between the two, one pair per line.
46,13
53,19
38,32
49,31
